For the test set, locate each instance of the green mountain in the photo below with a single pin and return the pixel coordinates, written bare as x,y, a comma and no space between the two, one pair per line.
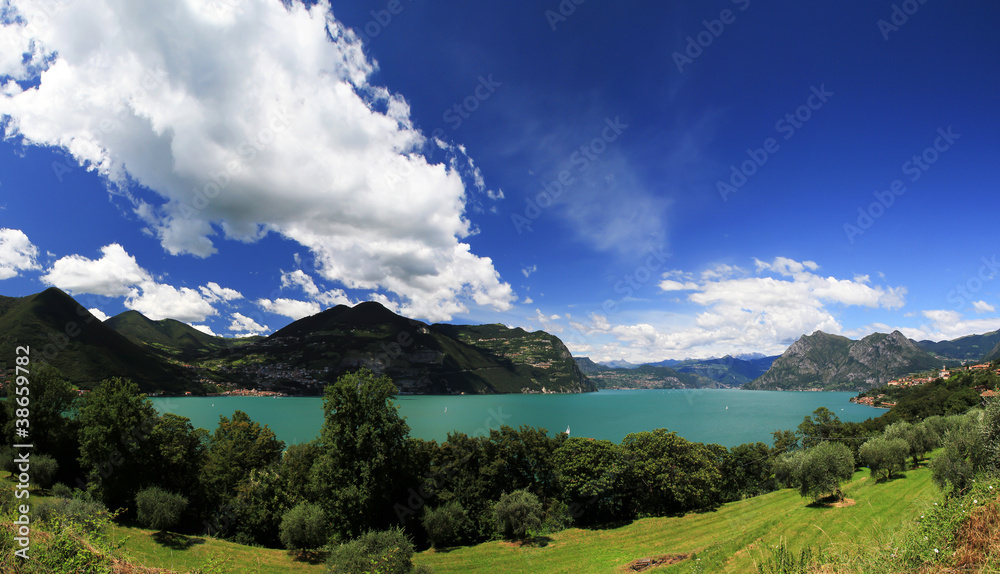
969,348
168,337
420,358
831,362
994,354
641,377
63,333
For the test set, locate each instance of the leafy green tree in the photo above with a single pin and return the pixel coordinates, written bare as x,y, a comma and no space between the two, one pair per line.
260,503
296,464
518,515
303,527
919,438
819,470
670,474
446,525
747,471
822,426
363,445
385,552
179,453
521,459
53,430
115,451
591,475
238,446
784,441
159,509
884,456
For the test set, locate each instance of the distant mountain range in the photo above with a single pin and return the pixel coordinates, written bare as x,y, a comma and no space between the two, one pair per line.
689,373
832,362
169,356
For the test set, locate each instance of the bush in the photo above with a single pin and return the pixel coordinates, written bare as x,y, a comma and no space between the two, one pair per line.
43,470
60,490
447,525
518,514
384,551
89,514
303,527
159,509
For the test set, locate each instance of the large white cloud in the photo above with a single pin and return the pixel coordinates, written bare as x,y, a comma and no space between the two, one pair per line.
741,311
117,274
17,253
251,117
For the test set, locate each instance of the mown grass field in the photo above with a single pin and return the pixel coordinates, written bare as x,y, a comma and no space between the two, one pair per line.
186,553
730,539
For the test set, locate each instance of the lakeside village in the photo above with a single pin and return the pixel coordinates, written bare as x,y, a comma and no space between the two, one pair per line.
879,401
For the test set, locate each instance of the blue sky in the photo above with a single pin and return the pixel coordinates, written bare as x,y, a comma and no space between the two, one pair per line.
645,180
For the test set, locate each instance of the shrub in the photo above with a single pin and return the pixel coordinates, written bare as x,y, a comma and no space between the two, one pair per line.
43,470
518,514
447,525
303,527
384,551
159,509
60,490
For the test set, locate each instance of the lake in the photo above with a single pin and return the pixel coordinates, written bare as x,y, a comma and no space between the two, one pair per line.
724,416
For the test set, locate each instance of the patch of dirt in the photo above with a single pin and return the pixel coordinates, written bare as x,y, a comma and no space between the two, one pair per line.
844,502
978,537
643,564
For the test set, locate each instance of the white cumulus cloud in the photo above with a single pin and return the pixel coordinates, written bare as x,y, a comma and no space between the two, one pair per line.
17,253
252,117
246,326
291,308
117,274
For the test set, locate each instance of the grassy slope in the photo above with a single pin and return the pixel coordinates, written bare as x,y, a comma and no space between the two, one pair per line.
184,554
728,540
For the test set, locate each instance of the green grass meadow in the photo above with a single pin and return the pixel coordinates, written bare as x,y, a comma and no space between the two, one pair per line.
730,539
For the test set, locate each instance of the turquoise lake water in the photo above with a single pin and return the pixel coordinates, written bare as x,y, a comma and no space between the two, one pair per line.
724,416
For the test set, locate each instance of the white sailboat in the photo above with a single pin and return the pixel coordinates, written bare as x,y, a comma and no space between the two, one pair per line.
567,430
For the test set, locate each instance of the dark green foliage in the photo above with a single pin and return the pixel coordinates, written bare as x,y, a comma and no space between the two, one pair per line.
747,471
447,525
518,514
670,474
884,456
362,446
167,337
296,463
60,490
384,551
159,509
303,527
115,450
238,446
592,480
43,470
261,501
179,454
51,397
